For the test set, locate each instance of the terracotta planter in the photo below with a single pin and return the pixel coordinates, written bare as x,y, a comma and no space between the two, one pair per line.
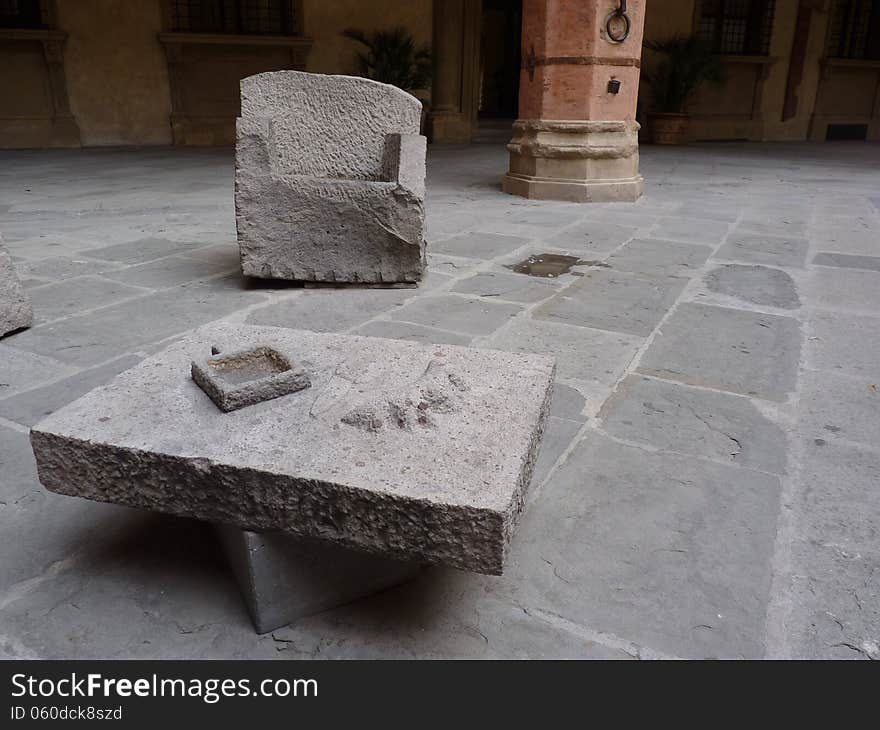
669,128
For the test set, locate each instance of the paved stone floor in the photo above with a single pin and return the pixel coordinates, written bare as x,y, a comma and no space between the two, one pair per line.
709,485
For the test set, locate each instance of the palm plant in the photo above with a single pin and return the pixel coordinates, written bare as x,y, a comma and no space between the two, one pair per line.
686,63
391,56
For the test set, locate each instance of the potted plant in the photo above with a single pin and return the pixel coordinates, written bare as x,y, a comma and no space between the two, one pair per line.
391,56
685,63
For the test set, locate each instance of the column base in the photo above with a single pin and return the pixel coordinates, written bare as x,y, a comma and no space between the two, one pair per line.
574,161
450,128
589,191
283,577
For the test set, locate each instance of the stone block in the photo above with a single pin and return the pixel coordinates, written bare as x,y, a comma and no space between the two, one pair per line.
15,307
329,179
283,577
418,453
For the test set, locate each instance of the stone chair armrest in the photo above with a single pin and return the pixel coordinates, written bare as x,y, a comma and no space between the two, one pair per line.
405,162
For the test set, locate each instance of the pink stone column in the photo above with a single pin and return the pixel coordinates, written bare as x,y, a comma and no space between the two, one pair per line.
576,138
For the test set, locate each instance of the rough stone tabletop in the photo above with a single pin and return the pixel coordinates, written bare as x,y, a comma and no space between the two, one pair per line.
419,452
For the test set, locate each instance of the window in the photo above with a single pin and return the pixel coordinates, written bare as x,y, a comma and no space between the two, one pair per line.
242,17
737,27
854,31
20,14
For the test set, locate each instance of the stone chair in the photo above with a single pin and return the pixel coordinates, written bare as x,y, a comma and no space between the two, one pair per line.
15,305
329,179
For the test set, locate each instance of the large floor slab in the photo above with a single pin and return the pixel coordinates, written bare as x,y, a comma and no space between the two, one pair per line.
614,301
844,342
595,362
834,599
727,349
757,248
676,556
652,258
687,420
761,285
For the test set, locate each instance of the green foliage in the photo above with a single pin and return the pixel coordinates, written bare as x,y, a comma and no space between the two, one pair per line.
391,56
685,64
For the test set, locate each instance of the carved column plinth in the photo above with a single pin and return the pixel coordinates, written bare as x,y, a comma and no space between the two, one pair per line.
579,162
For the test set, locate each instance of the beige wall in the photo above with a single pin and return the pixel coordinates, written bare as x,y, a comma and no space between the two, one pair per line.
117,73
726,113
324,20
26,108
117,77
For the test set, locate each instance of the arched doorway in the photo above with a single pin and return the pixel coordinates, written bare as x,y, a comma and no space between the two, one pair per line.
501,30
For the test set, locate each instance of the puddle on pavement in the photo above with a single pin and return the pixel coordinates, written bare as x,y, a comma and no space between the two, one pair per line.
550,265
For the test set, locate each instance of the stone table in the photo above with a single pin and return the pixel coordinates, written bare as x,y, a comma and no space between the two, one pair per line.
395,455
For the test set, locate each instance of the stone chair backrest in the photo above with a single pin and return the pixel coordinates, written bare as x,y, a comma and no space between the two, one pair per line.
326,126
